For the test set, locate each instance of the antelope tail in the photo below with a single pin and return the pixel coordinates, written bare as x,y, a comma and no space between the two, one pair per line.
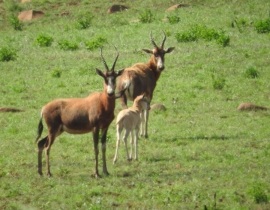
40,129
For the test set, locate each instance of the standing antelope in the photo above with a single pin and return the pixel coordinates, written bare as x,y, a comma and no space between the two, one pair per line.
143,78
79,116
130,120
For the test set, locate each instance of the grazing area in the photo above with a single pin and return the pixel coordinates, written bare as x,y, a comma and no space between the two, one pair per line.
201,151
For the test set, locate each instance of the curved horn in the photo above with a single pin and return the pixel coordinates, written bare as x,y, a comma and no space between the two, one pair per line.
164,39
105,64
115,59
151,38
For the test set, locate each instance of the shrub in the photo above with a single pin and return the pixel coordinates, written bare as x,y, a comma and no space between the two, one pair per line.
218,83
258,193
7,54
263,26
251,72
223,40
67,45
43,40
187,36
147,16
198,31
83,22
173,19
16,23
96,43
56,73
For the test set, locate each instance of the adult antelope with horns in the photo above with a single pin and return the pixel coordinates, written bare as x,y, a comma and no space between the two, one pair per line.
142,78
79,116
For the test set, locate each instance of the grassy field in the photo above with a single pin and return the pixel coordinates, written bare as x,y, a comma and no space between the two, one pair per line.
202,153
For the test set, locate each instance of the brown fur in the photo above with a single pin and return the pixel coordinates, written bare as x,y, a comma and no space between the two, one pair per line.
79,116
249,106
7,109
143,78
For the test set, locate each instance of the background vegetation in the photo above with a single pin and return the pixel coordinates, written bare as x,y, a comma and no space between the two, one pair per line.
201,152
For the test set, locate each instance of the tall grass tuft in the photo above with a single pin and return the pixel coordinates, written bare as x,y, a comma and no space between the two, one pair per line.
7,54
251,72
96,43
263,26
16,23
147,16
43,40
203,32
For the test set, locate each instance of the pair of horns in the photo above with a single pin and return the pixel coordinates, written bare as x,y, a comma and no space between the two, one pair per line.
153,42
105,64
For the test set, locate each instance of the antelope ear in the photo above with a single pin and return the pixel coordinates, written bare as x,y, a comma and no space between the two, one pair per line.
148,51
100,73
169,49
120,72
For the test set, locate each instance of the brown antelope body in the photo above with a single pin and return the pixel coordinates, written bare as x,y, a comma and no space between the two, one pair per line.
79,116
143,78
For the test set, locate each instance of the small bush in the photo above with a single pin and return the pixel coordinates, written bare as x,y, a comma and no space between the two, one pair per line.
7,54
67,45
95,43
83,22
218,83
187,36
44,40
263,26
173,19
258,193
56,73
252,73
16,23
147,16
223,40
198,31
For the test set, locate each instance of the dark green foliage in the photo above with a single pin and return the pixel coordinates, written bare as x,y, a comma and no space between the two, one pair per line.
200,31
258,192
16,23
83,22
96,43
56,73
186,36
173,19
263,26
15,7
67,45
218,82
251,72
7,54
43,40
146,16
223,40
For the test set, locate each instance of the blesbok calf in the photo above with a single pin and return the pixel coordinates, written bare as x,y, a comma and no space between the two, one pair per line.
79,116
143,78
130,120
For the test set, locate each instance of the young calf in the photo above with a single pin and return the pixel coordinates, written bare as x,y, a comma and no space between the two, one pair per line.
130,120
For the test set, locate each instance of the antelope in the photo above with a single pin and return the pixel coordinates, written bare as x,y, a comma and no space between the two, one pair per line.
130,120
80,116
143,78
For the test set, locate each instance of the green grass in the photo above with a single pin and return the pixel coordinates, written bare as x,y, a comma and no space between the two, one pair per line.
201,146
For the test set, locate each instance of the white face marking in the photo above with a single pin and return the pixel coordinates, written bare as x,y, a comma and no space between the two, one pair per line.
111,86
160,63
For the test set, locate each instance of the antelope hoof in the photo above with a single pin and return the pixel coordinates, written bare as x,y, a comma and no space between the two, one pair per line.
40,173
49,174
